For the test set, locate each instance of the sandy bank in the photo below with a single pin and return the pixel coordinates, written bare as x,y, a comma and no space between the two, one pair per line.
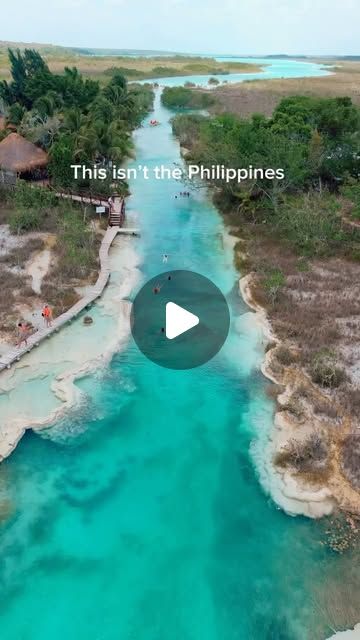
351,634
37,269
290,492
37,390
25,262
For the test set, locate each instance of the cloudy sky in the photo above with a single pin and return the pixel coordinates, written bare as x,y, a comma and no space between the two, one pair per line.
198,26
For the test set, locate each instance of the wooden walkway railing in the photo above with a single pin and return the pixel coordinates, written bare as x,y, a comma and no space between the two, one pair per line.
116,207
96,291
86,198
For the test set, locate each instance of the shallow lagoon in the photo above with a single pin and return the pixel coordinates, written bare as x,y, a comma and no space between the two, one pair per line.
277,68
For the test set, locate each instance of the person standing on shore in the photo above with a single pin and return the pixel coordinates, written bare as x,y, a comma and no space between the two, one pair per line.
47,315
23,333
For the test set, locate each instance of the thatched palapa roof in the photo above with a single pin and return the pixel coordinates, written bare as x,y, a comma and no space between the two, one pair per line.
20,155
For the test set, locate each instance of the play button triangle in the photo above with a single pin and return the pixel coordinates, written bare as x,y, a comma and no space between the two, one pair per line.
178,320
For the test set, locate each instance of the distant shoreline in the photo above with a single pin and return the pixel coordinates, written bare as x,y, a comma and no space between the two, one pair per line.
101,66
114,51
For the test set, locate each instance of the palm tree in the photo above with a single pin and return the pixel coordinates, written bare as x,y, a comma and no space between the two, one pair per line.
124,104
113,141
73,119
82,132
102,109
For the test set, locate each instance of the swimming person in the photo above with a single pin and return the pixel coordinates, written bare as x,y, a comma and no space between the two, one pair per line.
165,257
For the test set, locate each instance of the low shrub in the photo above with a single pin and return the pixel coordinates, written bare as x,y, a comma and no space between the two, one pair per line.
186,127
284,356
184,97
324,370
311,223
352,192
22,220
304,456
32,197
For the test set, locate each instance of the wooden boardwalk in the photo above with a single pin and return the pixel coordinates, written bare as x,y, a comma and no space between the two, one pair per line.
101,201
114,205
96,291
95,200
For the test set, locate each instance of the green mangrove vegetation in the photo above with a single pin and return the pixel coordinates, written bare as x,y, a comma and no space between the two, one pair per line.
315,141
186,98
75,120
298,237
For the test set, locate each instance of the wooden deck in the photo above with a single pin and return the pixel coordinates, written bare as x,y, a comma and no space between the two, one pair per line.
96,291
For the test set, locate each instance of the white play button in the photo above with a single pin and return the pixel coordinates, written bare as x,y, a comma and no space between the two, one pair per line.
194,312
178,320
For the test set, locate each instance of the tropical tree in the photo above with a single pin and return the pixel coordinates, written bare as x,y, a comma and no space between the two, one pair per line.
113,141
102,109
61,158
40,130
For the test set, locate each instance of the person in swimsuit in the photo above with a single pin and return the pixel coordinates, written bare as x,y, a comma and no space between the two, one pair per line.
23,333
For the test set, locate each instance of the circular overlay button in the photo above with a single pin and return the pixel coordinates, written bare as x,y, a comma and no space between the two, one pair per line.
180,319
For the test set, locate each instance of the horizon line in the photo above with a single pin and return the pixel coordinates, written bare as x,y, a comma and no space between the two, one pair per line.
181,53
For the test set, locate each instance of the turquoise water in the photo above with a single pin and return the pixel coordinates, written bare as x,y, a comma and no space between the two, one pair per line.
277,68
140,515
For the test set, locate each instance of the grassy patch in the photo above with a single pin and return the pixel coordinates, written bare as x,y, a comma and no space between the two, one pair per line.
77,247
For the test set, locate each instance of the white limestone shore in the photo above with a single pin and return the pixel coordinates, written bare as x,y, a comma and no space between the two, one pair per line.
351,634
35,392
290,494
